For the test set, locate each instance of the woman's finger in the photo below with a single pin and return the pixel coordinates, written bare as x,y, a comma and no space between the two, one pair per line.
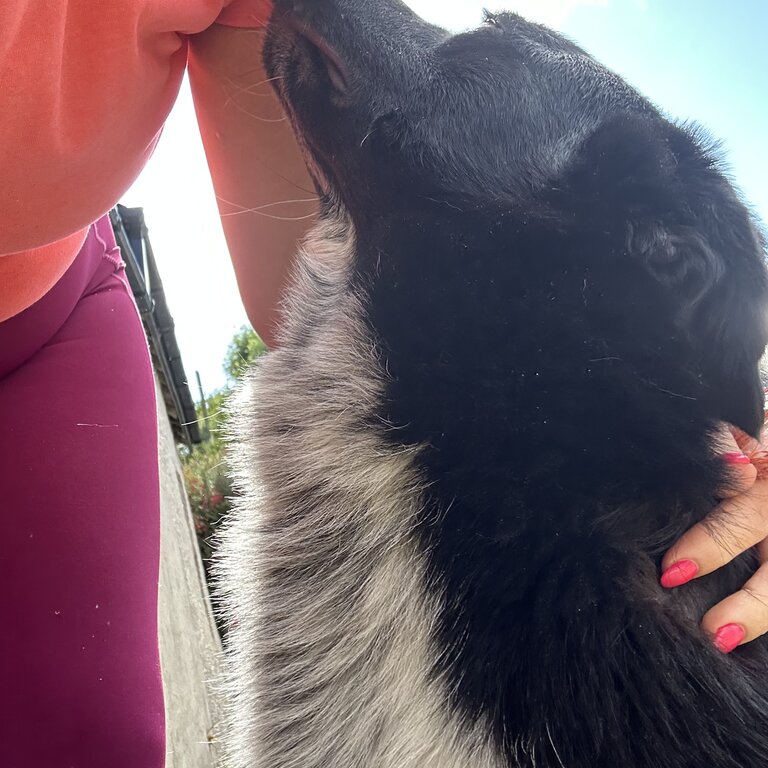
743,616
732,528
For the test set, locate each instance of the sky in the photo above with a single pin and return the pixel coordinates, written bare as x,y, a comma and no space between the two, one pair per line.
699,60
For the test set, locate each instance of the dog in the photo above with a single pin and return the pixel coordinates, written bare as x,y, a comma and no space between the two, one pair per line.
528,305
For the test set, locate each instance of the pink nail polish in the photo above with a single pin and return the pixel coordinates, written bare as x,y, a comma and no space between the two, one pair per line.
679,573
736,458
729,637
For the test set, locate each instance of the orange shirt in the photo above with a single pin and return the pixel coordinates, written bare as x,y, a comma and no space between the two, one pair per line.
85,87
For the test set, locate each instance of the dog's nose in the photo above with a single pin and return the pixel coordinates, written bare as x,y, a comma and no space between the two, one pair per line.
363,40
357,26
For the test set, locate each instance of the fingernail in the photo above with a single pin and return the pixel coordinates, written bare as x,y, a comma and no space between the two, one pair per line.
728,637
736,458
679,573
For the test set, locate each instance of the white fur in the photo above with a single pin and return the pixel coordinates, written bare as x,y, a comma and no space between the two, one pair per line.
331,658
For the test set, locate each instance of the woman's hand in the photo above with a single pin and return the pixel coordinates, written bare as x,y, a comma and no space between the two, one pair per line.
739,522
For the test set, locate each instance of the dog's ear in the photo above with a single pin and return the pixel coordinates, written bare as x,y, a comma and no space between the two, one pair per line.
685,224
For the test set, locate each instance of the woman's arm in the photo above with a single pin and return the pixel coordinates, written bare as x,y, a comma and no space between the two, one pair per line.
265,196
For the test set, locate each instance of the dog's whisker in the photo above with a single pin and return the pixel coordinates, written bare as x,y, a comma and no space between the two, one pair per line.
255,209
250,89
367,136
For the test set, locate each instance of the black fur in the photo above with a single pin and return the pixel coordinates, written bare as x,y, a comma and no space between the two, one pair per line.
568,296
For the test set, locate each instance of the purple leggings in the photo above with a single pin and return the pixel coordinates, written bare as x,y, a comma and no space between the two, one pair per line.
80,684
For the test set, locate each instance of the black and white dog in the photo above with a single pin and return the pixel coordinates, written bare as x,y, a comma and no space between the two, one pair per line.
530,301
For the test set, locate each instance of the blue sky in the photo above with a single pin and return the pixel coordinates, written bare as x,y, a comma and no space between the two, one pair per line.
705,61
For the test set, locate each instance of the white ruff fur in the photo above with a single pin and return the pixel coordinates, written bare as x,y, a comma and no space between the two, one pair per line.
331,655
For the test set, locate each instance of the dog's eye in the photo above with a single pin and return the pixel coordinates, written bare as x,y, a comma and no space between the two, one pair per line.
387,131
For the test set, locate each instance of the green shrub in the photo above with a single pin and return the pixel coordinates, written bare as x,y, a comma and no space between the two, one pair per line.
206,474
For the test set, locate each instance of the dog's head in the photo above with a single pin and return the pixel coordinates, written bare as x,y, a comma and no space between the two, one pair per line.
512,121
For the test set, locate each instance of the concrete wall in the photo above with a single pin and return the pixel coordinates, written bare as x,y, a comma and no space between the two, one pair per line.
189,643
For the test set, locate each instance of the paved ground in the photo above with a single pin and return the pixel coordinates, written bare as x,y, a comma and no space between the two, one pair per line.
189,644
